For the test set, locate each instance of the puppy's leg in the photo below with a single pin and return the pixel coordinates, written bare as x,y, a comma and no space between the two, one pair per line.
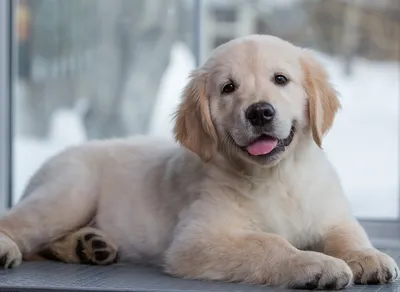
61,198
252,257
349,242
86,246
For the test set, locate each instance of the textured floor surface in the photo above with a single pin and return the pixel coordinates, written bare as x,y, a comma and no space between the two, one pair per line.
49,276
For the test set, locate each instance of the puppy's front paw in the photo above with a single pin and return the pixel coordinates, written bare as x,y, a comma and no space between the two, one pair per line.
10,255
312,270
371,266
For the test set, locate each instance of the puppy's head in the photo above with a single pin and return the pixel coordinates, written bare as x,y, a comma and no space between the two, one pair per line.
253,100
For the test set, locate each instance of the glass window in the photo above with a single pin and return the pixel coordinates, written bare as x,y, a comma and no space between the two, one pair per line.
95,69
358,42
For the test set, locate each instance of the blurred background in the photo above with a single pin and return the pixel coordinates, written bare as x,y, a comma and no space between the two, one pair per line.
95,69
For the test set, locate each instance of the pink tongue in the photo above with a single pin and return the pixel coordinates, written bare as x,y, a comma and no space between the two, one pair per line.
262,147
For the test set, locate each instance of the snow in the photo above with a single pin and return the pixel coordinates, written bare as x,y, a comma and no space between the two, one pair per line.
174,79
363,144
29,153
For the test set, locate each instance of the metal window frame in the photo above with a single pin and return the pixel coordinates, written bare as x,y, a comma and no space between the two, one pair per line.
5,105
197,28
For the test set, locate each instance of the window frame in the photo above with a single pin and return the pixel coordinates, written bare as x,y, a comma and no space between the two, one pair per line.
381,231
5,105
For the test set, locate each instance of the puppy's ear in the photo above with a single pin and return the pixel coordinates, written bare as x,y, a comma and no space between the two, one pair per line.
194,128
323,102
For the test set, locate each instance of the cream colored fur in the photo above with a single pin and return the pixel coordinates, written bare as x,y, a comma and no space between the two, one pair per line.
205,210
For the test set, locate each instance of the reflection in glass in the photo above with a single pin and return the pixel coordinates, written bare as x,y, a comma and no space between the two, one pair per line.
95,69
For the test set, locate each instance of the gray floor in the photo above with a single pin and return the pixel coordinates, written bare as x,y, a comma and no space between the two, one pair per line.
50,276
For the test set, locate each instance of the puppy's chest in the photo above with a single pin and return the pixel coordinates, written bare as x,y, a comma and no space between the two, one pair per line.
291,214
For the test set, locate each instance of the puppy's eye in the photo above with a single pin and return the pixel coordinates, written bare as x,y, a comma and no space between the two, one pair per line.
228,88
280,79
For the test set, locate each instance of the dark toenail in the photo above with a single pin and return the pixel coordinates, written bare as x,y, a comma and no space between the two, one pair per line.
96,244
3,260
116,258
89,236
101,255
388,275
11,265
310,285
373,279
331,285
306,286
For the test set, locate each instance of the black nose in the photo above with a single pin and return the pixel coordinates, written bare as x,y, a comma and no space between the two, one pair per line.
260,113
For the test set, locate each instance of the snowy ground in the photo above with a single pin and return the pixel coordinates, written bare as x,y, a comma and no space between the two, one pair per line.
363,145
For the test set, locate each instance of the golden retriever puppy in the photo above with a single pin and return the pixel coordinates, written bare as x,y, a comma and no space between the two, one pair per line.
248,195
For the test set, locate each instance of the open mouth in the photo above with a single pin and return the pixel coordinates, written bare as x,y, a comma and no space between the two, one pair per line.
267,145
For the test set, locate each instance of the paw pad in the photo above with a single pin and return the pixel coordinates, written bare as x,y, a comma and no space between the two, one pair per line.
94,249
